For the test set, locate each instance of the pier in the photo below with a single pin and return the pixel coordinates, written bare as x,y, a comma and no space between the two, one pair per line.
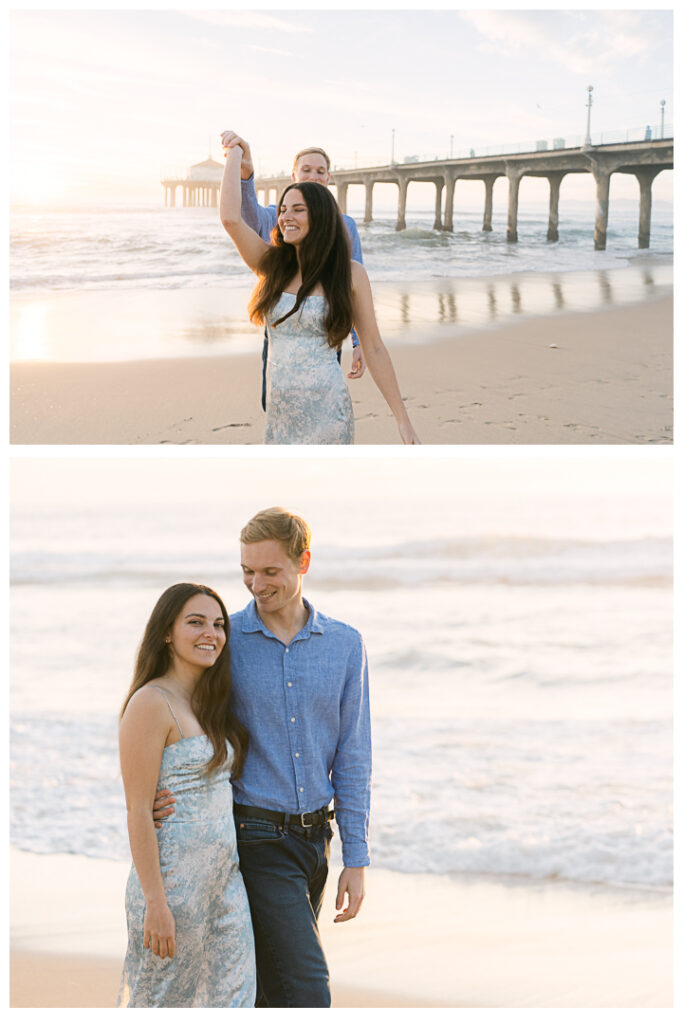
643,159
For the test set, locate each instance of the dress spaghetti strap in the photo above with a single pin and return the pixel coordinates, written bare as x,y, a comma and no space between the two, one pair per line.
169,708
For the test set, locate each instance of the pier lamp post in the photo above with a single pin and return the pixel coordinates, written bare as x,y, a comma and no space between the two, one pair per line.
588,123
451,147
393,136
662,104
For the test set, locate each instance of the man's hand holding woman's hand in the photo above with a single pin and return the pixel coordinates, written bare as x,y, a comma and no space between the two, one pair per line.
229,140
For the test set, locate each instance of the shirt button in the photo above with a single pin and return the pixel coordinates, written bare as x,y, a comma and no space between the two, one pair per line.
296,755
289,684
286,650
292,719
301,789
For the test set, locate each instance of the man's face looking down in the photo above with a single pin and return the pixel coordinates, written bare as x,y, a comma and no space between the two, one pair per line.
270,575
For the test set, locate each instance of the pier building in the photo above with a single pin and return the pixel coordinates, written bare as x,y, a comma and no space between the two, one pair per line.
201,184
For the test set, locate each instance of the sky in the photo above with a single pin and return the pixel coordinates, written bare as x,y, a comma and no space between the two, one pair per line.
103,103
371,499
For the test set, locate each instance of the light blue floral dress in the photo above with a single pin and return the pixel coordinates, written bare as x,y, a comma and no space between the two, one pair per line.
214,962
307,400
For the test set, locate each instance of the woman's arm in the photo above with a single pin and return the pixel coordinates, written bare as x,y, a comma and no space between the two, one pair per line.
143,732
250,247
261,218
375,352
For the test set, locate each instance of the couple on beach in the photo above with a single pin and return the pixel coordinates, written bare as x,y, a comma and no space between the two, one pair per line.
269,706
313,291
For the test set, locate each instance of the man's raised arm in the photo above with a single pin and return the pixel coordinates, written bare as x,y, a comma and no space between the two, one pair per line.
261,219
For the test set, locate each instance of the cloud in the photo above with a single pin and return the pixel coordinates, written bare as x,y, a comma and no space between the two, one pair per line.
565,38
271,49
248,20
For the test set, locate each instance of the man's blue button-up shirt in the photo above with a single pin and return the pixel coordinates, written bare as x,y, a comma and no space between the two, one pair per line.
307,710
264,218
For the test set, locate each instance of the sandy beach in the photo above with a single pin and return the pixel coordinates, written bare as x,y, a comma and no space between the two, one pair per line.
591,377
420,940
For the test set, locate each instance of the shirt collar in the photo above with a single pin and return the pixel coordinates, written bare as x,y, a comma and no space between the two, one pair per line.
251,622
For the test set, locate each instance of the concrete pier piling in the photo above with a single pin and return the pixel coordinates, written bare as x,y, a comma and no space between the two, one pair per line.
367,219
645,179
514,177
554,181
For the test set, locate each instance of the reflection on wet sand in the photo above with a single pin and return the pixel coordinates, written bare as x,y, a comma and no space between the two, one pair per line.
492,304
605,288
91,326
448,310
476,302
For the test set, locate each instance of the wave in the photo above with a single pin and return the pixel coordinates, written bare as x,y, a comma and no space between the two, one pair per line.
505,561
113,248
176,277
524,800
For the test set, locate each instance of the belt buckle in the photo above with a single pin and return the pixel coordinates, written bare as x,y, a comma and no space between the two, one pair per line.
303,815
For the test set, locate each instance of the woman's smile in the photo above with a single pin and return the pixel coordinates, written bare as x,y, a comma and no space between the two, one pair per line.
293,216
198,633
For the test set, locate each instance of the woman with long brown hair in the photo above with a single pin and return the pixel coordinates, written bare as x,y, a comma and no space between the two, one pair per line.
310,294
190,940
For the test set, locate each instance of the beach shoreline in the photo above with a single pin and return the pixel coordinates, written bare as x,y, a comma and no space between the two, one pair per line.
592,377
420,940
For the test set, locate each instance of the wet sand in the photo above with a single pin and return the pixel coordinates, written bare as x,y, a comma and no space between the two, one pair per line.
591,377
420,940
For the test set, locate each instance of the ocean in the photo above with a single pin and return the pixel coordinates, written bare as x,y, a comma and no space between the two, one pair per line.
520,649
181,289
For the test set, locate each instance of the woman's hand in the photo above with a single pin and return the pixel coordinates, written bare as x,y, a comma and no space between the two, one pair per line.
408,435
159,929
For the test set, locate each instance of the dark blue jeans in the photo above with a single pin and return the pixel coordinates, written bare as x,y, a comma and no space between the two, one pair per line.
284,870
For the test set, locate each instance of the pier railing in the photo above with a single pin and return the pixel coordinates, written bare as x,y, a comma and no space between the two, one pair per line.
642,133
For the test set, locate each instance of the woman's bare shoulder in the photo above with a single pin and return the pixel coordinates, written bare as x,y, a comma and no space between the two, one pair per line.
147,700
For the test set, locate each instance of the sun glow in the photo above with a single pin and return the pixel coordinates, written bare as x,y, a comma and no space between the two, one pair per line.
30,333
32,187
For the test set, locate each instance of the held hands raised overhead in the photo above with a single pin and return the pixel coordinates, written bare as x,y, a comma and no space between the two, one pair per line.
229,140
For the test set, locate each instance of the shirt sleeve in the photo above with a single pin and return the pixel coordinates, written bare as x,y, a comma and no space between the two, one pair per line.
352,766
356,254
260,218
356,251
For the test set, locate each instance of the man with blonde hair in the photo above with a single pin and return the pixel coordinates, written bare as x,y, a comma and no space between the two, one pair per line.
300,686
